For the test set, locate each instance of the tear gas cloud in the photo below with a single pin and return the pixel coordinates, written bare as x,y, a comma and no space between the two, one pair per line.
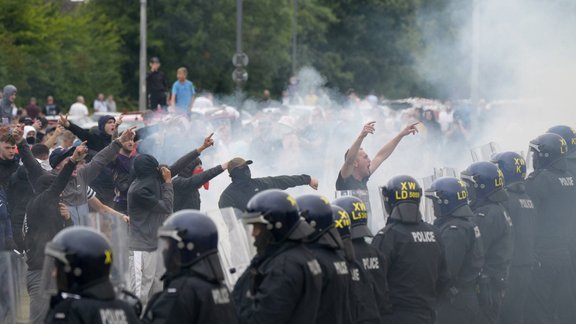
525,50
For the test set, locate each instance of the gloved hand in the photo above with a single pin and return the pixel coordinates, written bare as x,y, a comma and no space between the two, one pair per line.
9,245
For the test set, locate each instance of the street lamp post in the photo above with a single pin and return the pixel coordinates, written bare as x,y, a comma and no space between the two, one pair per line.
295,37
142,80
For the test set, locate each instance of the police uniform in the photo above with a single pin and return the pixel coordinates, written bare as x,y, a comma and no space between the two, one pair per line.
193,283
283,283
284,287
324,244
191,298
96,304
413,249
552,191
523,214
364,306
370,260
82,258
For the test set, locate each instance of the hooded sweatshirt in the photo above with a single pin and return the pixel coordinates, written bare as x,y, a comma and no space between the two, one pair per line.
6,105
150,201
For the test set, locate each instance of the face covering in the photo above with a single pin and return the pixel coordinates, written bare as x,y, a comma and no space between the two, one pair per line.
200,170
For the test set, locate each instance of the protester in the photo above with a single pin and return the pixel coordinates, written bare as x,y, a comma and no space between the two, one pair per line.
190,180
358,167
100,104
157,86
46,215
182,92
51,108
78,109
244,187
111,104
7,105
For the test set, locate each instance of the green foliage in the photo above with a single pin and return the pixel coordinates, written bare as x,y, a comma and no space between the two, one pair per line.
55,47
49,48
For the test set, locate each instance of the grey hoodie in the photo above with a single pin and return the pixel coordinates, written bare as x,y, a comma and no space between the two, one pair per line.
5,104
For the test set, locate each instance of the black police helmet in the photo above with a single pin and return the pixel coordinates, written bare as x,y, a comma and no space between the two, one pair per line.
279,212
567,133
358,213
485,181
193,234
401,189
83,256
547,149
450,197
341,221
512,165
316,211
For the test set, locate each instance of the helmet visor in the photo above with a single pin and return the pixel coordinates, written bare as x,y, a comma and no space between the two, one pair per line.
51,280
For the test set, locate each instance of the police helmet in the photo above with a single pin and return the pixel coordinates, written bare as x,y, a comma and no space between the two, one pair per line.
191,236
358,214
279,212
404,192
82,256
567,133
485,181
512,165
547,149
341,221
316,211
449,197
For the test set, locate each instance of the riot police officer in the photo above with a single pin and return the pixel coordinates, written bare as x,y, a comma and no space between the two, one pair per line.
463,247
415,254
485,183
569,135
521,210
552,190
81,259
283,283
372,261
193,283
324,244
363,305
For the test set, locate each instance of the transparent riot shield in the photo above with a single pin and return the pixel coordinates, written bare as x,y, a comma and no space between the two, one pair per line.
426,205
484,152
13,299
445,172
374,223
116,230
234,243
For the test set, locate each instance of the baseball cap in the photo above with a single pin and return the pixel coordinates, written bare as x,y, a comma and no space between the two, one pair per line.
154,59
59,154
237,162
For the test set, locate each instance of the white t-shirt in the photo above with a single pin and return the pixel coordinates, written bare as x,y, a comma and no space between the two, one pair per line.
78,109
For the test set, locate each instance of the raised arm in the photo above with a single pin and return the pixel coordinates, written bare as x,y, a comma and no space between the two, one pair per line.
82,134
389,147
105,156
32,166
63,177
285,182
348,167
184,161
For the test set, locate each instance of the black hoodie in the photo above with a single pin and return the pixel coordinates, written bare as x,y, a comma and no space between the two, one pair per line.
150,201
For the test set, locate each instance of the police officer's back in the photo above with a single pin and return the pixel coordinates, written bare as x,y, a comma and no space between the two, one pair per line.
416,262
325,244
372,261
464,251
552,189
523,214
485,183
81,259
363,303
193,283
283,283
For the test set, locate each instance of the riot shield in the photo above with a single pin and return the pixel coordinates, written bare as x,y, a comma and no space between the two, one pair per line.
234,243
12,288
116,230
484,152
374,223
426,205
445,172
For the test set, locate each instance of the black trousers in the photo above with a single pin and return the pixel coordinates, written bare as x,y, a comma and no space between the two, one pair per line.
513,306
157,99
550,297
461,308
